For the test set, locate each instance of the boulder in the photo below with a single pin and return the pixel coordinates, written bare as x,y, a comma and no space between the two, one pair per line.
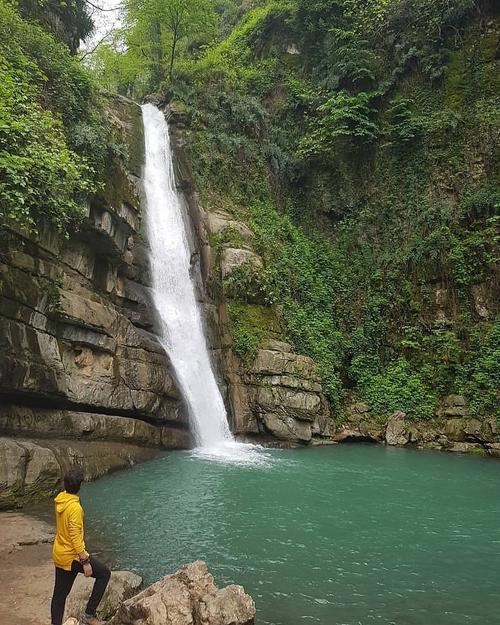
467,448
26,470
396,432
269,362
287,428
217,223
122,585
493,449
187,597
359,408
301,405
454,406
276,345
233,258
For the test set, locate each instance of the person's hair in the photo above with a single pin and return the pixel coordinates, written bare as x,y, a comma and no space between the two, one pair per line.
73,480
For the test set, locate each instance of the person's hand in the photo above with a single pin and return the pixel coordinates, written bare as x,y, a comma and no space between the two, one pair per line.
87,570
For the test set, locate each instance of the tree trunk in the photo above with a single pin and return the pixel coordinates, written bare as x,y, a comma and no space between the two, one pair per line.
172,54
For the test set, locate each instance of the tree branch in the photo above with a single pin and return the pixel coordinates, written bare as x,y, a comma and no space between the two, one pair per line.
89,52
94,6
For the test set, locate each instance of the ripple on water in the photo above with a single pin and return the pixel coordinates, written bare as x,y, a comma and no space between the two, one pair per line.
346,535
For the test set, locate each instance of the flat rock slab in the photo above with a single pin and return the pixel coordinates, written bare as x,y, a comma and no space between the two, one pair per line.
27,572
20,530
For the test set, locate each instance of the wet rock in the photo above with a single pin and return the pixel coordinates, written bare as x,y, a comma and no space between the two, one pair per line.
467,448
396,432
26,421
280,392
76,327
188,597
287,428
31,470
294,403
122,585
493,449
454,406
323,426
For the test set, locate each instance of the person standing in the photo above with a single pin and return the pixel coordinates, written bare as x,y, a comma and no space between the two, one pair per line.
70,556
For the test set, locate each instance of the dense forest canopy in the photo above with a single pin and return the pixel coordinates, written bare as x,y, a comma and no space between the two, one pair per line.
357,138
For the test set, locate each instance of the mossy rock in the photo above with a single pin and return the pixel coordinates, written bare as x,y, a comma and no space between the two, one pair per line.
250,324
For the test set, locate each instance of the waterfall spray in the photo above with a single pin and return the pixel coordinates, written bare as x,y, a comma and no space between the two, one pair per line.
173,291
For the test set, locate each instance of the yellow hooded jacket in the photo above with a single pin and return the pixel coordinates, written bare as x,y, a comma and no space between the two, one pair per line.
68,543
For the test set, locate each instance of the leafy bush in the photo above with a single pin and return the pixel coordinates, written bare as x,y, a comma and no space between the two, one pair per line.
399,387
249,324
341,116
305,277
41,176
47,127
483,384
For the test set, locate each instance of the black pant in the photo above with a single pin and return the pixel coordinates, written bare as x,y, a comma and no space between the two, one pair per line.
64,582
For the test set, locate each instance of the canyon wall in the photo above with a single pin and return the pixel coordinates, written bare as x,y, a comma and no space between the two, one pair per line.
276,393
82,374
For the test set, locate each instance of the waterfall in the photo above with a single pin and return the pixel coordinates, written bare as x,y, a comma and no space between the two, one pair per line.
173,290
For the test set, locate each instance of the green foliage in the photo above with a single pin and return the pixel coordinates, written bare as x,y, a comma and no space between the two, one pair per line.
141,58
47,128
248,283
342,116
483,381
305,277
352,61
363,156
249,324
399,387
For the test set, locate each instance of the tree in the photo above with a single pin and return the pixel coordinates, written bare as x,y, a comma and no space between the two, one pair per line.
157,28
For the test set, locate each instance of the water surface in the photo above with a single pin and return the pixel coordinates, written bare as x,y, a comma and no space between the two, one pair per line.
349,535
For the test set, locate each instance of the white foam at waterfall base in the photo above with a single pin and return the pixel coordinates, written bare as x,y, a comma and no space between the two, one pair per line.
181,331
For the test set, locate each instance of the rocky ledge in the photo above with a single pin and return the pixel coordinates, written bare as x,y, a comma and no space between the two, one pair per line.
451,429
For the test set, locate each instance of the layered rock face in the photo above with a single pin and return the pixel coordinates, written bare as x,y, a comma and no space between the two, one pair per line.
452,429
79,358
271,391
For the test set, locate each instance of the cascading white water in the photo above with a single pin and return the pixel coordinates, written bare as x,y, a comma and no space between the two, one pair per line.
173,291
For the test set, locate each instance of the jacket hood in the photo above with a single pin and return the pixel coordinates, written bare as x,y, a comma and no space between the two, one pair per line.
64,499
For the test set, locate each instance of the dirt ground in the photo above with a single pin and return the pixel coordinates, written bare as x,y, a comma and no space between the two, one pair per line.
26,570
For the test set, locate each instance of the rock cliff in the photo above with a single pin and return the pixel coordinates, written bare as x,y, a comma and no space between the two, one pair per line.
82,374
271,391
